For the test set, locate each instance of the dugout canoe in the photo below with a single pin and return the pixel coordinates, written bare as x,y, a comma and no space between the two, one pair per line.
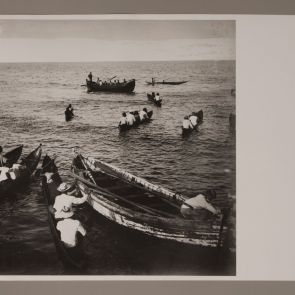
122,87
72,257
126,127
13,155
158,103
148,209
186,132
166,83
28,166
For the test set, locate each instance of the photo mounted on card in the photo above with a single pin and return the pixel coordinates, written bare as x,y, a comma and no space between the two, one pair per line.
118,146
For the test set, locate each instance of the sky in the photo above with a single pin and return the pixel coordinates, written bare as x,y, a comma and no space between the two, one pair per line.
115,40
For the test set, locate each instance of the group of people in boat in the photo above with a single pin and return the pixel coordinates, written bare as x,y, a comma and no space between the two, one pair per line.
63,212
191,122
133,118
156,97
101,82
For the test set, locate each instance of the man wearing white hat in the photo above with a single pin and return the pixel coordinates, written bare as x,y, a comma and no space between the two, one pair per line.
64,202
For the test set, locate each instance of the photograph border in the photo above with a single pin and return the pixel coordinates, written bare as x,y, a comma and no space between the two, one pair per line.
103,7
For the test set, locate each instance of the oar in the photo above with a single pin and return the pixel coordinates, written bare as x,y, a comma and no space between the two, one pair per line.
112,78
84,164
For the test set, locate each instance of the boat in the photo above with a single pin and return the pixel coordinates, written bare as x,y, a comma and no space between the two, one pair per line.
151,98
137,122
23,173
13,155
166,83
69,115
72,257
142,207
125,87
200,115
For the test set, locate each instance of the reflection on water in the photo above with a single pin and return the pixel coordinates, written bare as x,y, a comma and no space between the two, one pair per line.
33,98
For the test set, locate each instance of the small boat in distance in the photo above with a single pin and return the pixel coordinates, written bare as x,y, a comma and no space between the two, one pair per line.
120,87
165,82
151,98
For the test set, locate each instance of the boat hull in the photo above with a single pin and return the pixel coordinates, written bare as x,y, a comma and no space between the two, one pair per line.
166,83
115,198
127,87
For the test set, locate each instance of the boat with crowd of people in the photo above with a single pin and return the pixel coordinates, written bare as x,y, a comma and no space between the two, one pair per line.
122,87
137,119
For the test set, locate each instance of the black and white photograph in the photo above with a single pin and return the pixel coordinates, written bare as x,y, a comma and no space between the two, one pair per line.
117,146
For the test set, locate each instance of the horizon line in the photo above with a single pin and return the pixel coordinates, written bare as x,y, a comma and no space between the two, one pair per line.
100,61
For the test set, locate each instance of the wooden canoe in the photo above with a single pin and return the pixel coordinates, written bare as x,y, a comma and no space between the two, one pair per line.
143,207
186,132
13,155
166,83
126,127
72,257
123,87
158,103
29,165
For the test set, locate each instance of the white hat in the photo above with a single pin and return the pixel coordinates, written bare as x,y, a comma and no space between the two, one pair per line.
63,187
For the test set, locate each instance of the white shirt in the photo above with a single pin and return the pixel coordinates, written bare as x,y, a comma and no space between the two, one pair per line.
130,119
142,115
3,171
194,120
68,231
186,124
198,202
157,97
63,205
123,121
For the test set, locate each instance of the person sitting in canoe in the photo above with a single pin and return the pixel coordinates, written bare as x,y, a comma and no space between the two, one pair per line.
130,119
186,124
143,115
10,173
157,97
2,158
137,117
202,201
193,119
70,109
123,120
63,203
69,228
90,77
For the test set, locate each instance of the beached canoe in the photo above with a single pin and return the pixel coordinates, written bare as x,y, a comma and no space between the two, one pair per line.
21,175
166,83
13,155
72,257
137,123
125,87
158,103
143,207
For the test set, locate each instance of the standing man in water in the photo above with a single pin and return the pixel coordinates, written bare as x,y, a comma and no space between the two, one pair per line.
90,77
